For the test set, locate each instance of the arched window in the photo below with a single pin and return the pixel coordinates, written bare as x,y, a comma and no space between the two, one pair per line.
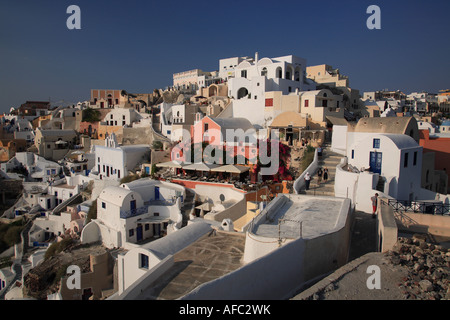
264,72
297,74
242,92
288,74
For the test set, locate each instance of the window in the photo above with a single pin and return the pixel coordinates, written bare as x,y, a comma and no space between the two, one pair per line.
269,102
103,205
143,261
264,71
405,163
244,73
376,143
353,154
415,158
306,103
131,232
156,214
147,227
206,127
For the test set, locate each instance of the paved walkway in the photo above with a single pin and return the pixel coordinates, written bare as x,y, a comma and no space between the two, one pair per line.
328,160
214,255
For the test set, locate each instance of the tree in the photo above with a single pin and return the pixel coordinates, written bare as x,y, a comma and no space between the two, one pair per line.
91,115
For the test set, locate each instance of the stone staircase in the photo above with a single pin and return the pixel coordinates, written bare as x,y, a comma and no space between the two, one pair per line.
328,160
189,203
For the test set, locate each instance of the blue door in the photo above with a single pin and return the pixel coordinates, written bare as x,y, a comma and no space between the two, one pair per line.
156,193
133,207
375,162
139,233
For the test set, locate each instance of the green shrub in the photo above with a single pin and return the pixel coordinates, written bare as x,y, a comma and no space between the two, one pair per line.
57,247
92,213
12,236
308,157
129,178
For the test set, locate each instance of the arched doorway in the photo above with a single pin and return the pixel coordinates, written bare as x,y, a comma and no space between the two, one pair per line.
279,73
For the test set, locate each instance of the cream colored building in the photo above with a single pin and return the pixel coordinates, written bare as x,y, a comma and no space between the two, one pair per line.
327,75
314,105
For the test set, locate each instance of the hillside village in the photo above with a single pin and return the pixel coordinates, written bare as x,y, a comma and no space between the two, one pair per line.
201,189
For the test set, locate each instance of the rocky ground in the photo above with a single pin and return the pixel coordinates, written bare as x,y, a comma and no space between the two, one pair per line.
413,270
428,268
44,278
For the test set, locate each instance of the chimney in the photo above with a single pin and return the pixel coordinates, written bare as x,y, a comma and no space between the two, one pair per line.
256,57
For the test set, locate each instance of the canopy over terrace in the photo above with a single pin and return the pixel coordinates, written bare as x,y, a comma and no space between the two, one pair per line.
231,168
200,166
170,164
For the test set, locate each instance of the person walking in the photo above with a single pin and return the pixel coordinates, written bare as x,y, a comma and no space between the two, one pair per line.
307,180
319,175
374,204
325,174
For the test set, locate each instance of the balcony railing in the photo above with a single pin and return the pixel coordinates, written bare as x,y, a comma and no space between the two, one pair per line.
425,207
144,209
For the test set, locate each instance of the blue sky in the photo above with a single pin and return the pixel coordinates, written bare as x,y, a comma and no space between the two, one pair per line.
137,45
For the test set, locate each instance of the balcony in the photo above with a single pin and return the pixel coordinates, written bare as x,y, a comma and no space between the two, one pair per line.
144,209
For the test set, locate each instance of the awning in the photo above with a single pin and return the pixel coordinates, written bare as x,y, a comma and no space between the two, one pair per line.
233,168
170,164
201,166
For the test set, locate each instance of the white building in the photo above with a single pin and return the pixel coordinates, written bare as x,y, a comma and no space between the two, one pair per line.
39,169
114,162
253,79
6,276
135,211
24,130
122,117
396,158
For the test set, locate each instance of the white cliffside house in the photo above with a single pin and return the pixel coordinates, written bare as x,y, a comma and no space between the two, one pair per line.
114,162
135,211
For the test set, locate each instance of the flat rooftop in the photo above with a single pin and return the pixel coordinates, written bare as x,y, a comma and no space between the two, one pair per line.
314,215
212,256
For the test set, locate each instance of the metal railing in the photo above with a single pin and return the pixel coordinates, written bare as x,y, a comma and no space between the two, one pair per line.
425,207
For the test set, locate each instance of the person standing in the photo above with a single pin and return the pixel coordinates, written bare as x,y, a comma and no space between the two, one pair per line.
307,180
319,175
374,204
325,174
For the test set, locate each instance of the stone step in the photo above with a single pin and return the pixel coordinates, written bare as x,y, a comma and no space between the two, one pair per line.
319,192
326,187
